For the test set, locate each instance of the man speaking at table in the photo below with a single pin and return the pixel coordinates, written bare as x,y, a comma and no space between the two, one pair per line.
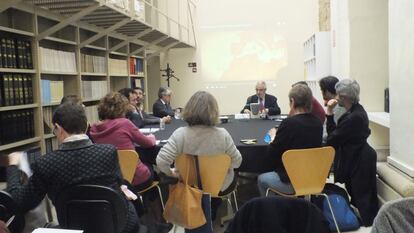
267,103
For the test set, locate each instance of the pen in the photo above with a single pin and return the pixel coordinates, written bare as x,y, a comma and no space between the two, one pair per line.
10,220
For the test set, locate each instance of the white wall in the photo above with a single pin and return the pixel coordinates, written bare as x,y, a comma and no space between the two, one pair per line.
360,47
278,26
401,50
340,38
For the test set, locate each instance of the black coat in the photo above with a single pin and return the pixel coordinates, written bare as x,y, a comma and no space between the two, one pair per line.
78,162
355,160
161,110
139,121
278,215
296,132
270,103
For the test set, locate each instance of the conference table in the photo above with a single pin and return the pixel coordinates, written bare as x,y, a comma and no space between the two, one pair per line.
253,154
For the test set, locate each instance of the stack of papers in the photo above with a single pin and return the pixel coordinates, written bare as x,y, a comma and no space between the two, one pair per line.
52,230
149,130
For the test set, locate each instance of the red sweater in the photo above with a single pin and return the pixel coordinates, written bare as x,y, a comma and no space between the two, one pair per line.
318,110
123,134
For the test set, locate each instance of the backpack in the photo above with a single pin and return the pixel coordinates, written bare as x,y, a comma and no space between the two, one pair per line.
344,215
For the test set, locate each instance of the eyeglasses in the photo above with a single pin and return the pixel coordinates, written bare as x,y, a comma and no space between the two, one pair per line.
260,89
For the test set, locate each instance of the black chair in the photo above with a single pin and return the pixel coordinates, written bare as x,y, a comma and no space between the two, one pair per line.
8,208
91,208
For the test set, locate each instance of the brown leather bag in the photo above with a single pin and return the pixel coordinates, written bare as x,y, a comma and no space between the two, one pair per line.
183,206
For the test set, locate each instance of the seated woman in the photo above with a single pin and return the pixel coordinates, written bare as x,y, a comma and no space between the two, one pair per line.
77,161
299,131
115,129
355,161
202,138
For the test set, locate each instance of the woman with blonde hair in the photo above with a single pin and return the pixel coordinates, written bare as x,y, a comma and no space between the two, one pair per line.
201,137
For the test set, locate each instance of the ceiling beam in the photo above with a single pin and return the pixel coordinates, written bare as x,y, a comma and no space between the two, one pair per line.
67,21
125,42
104,32
6,4
164,49
155,42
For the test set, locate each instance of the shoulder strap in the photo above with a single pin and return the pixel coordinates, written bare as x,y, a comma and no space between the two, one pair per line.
200,186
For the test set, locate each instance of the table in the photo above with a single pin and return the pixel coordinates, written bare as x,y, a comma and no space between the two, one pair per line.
253,155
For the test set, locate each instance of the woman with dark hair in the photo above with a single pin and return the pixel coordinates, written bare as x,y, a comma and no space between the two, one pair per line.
115,129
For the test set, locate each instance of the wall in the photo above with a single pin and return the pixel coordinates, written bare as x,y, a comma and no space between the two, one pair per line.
368,21
340,38
276,28
401,50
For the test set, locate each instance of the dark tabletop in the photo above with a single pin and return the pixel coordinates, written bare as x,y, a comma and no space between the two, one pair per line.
253,155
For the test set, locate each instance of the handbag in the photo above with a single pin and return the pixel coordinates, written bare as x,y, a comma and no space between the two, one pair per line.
206,205
184,207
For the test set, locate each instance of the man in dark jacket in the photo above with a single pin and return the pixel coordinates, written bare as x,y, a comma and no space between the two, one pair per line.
162,107
267,103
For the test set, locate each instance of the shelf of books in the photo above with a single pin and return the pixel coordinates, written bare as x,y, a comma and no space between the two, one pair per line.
37,71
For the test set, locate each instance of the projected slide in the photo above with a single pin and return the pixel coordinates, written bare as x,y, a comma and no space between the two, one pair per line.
242,55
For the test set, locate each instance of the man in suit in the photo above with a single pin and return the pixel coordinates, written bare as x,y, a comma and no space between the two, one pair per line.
77,161
267,103
137,115
162,107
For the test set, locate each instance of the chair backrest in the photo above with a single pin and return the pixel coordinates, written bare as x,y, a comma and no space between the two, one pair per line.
213,170
128,161
91,208
8,208
308,168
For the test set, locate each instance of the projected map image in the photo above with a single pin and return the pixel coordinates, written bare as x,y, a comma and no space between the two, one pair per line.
242,55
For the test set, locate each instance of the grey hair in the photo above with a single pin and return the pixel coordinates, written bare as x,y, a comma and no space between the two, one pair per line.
163,91
201,109
261,83
349,89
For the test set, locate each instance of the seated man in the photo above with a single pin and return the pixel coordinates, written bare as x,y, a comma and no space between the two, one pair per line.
136,113
162,107
317,108
267,103
299,131
77,161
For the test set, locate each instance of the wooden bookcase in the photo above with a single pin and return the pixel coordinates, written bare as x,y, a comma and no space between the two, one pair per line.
17,23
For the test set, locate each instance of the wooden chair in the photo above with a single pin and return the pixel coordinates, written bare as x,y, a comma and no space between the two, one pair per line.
128,161
307,170
213,171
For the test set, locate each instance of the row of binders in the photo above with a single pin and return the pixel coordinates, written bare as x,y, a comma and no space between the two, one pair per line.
16,125
117,67
57,61
136,66
92,90
92,114
16,89
15,53
92,64
52,91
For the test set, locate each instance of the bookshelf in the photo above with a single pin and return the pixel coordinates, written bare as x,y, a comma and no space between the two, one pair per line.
317,56
86,48
60,67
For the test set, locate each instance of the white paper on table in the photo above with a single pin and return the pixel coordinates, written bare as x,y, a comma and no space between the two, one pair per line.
52,230
149,130
240,116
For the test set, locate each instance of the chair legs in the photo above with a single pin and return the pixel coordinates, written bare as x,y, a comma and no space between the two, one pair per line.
161,199
230,210
330,208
